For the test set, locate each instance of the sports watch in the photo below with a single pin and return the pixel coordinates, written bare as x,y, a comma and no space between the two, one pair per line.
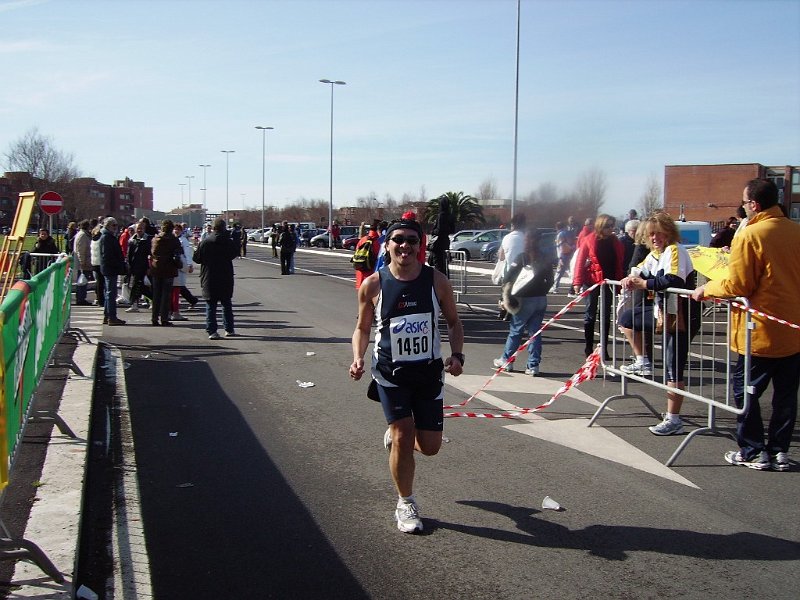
459,356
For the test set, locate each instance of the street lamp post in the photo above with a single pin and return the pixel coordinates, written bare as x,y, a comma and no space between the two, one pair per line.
190,177
227,164
263,170
182,186
516,120
330,204
204,184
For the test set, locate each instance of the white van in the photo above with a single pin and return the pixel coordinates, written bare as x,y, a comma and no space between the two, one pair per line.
694,233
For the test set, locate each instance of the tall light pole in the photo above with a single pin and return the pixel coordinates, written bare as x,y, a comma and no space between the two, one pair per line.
516,120
263,170
190,177
227,164
204,184
182,186
330,205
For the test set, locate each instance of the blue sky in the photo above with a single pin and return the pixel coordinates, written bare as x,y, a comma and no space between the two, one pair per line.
151,89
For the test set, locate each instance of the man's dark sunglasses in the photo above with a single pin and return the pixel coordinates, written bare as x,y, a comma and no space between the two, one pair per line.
402,239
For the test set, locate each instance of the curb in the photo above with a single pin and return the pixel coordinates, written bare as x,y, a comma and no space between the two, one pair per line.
55,519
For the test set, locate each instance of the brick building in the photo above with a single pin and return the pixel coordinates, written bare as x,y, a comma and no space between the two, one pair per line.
713,192
84,198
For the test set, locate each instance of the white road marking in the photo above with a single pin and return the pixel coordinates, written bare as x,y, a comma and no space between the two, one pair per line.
570,433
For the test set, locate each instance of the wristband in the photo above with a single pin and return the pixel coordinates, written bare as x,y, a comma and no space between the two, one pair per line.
459,356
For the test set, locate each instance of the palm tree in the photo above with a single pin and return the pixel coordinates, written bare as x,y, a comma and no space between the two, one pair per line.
465,209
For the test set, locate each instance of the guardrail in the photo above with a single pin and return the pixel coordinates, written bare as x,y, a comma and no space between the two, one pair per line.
709,361
33,317
457,260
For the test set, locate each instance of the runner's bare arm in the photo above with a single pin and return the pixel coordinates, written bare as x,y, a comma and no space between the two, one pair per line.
367,294
455,331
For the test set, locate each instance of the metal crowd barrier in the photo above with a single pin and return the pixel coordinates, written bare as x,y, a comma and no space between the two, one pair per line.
709,364
457,261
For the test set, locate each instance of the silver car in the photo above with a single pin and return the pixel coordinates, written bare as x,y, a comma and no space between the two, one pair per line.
472,245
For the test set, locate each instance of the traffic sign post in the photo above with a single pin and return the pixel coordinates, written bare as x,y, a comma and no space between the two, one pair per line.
51,204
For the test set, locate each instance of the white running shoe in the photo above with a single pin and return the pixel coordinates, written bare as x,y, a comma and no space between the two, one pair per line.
133,308
759,463
407,515
667,427
780,462
640,369
499,362
213,336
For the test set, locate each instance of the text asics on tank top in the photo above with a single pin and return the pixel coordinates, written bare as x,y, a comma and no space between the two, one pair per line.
407,315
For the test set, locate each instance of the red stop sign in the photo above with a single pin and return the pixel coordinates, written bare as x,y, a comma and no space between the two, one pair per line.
51,203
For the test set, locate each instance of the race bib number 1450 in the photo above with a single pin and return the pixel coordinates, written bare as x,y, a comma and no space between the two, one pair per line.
411,337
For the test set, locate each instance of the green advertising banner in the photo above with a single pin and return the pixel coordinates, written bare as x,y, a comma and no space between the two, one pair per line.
33,316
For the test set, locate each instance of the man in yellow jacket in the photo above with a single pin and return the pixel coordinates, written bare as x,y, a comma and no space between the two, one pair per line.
764,268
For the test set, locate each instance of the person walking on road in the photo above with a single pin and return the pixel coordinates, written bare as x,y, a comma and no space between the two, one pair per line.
532,298
406,297
112,265
165,262
288,244
83,257
764,267
215,256
138,264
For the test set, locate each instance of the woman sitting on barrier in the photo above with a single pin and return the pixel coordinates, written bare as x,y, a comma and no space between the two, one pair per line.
667,266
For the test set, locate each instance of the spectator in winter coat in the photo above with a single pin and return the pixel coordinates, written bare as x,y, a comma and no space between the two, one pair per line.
215,256
600,255
164,263
45,244
179,286
138,265
112,265
100,286
83,261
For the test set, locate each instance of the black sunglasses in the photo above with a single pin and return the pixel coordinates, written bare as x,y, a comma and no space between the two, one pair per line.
402,239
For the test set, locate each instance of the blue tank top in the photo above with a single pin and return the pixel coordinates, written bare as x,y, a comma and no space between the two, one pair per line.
407,315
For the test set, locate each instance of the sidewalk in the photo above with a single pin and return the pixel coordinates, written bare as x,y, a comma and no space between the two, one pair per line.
55,518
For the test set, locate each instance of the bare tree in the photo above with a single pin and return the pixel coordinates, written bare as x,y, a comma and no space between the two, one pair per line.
546,193
49,168
651,200
591,190
488,189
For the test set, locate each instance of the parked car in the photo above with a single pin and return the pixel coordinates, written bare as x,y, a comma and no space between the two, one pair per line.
547,245
308,234
471,246
464,234
351,242
345,231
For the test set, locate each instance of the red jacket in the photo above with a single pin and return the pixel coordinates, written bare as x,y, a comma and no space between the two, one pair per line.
587,265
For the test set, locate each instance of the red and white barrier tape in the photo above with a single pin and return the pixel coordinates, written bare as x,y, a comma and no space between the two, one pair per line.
587,371
764,315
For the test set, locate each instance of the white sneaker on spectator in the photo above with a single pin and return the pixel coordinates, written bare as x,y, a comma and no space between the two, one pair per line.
759,463
667,427
780,462
133,308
